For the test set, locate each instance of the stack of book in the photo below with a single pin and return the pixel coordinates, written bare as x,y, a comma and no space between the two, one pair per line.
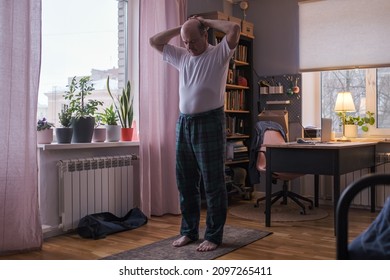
236,150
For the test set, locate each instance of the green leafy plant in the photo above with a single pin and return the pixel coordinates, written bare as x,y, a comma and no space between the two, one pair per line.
65,116
123,104
109,116
43,124
77,93
363,122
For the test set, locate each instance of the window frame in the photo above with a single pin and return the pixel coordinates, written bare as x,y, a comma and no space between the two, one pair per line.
127,53
312,101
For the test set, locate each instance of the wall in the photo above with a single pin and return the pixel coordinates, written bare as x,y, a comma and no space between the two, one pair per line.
276,25
276,31
202,6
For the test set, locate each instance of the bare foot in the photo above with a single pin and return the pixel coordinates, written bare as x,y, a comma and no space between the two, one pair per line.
182,241
206,246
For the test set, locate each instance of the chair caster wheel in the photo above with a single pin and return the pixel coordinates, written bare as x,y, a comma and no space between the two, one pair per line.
256,205
303,212
310,207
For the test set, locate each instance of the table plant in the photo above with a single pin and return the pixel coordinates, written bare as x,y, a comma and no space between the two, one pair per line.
83,110
44,131
352,122
110,119
99,132
65,132
124,108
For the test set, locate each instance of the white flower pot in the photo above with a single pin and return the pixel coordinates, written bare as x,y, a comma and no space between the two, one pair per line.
45,136
351,131
113,133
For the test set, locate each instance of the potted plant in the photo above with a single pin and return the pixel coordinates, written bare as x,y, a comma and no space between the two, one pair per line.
110,119
44,131
352,122
65,132
83,110
99,133
124,107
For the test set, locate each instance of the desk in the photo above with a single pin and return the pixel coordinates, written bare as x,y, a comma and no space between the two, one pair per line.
332,159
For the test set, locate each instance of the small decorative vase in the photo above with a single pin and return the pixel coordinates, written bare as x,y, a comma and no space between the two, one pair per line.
64,135
113,133
45,136
99,134
126,134
351,131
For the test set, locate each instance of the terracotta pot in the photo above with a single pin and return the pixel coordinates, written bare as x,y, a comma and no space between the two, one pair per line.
45,136
126,134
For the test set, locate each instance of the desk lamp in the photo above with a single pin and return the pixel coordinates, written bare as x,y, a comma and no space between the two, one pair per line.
344,103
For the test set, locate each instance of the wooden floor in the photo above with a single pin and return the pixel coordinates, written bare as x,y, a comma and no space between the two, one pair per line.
311,240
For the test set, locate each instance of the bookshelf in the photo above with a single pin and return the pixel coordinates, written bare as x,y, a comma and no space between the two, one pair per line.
238,105
238,109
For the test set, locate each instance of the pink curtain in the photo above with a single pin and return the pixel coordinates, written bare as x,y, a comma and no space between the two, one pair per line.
20,54
159,99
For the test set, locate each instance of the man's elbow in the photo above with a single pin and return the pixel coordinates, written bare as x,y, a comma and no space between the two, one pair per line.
237,30
234,36
152,42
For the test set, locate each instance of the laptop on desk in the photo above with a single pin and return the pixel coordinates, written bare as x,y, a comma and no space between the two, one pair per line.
326,134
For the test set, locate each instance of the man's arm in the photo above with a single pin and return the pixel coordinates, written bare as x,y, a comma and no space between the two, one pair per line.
231,29
159,40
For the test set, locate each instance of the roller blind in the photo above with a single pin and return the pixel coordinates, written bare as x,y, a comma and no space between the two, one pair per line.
343,34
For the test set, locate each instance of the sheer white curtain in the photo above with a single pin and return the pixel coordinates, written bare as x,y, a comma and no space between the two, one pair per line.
159,101
20,53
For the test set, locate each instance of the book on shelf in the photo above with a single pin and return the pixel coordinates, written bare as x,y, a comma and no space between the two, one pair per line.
235,125
241,53
235,100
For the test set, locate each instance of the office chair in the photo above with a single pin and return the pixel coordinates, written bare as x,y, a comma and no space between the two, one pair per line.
275,137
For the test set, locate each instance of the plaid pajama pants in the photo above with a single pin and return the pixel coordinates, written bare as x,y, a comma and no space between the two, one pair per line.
200,157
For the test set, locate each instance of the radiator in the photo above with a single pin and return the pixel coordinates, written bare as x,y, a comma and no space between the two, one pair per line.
93,185
363,199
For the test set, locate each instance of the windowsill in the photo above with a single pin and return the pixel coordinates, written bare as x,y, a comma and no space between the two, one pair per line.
55,146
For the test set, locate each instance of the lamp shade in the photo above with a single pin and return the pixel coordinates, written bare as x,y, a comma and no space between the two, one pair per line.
344,102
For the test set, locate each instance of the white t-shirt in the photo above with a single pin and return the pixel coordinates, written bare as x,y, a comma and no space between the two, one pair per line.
202,78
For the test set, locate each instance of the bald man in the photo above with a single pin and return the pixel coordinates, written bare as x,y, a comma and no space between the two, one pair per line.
200,130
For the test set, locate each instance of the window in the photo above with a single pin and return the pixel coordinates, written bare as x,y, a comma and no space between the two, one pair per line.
383,98
370,89
81,38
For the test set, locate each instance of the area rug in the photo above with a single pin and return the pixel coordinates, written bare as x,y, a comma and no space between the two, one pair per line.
279,213
233,239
